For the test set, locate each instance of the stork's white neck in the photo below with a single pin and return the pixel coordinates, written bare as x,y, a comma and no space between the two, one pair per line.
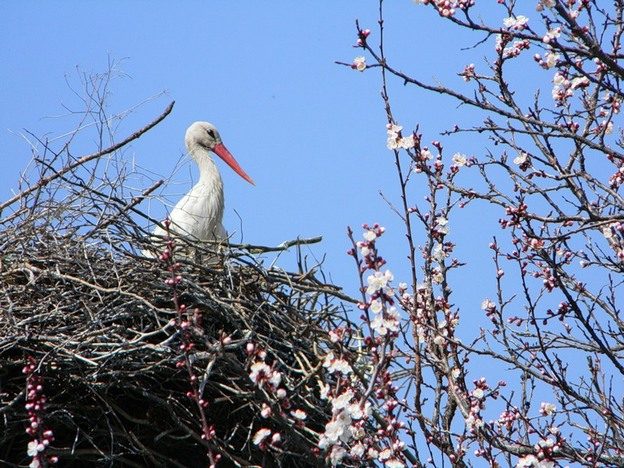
208,172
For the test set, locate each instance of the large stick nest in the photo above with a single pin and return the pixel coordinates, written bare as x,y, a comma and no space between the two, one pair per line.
99,320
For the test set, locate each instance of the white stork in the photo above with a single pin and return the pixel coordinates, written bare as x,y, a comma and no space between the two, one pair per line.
198,214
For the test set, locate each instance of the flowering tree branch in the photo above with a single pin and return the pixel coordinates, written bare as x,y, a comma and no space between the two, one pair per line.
555,170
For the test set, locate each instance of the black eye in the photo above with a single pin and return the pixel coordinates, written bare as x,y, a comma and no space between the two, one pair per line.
211,132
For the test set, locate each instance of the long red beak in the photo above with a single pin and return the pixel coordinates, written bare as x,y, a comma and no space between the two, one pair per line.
224,154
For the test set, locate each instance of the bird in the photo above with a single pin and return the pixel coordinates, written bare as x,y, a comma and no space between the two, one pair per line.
198,215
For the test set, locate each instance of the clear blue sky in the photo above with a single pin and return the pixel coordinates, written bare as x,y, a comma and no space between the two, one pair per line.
310,133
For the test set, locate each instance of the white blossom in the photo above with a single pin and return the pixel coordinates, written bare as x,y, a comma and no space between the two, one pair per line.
357,450
487,304
551,34
545,4
385,454
266,411
437,276
359,63
532,461
392,143
383,323
527,461
518,23
261,436
363,246
394,129
343,400
438,253
473,422
521,159
547,408
579,81
477,393
324,389
378,281
442,225
369,235
551,59
34,447
299,414
275,378
395,141
376,306
407,142
356,411
336,455
559,79
333,364
459,159
338,429
259,370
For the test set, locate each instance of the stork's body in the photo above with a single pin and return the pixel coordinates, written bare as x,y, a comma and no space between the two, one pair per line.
199,213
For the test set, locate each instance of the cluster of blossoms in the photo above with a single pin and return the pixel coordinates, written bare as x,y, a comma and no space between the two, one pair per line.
507,418
563,87
423,310
548,279
35,406
386,316
611,103
507,49
516,214
547,409
531,461
395,140
440,228
347,435
617,178
490,310
446,327
545,4
468,73
549,61
551,35
477,398
545,450
614,234
269,379
518,23
346,429
447,8
504,44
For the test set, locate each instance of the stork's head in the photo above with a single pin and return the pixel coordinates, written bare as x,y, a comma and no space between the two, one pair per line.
205,135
